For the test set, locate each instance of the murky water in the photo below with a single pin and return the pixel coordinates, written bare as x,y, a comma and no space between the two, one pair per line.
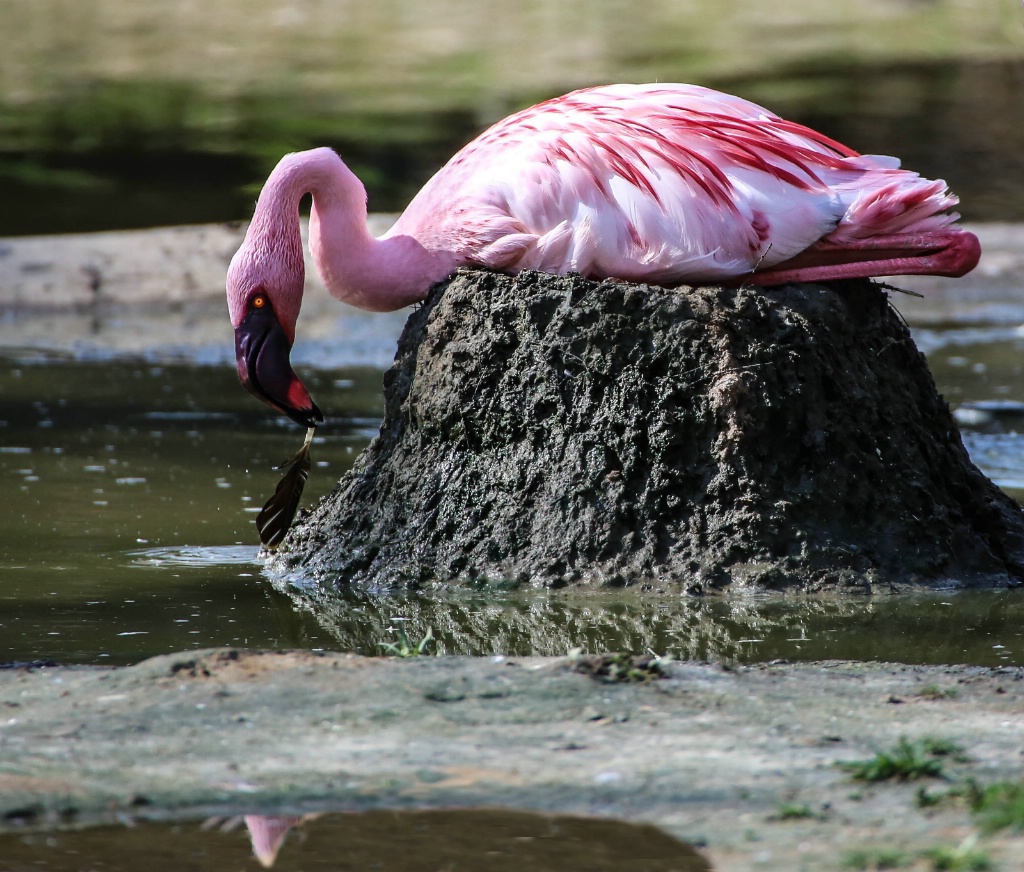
457,841
114,154
131,489
131,486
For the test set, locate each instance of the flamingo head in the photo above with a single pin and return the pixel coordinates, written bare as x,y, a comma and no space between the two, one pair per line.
264,290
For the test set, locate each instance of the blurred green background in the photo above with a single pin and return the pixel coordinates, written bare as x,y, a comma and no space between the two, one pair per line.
128,113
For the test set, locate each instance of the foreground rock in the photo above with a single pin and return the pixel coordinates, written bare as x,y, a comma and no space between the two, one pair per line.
550,430
712,756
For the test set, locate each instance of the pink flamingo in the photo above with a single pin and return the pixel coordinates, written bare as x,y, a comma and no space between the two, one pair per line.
267,834
667,184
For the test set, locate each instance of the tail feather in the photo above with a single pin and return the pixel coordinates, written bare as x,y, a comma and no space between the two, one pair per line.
900,203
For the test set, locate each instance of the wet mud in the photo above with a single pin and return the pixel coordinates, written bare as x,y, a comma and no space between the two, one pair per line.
552,431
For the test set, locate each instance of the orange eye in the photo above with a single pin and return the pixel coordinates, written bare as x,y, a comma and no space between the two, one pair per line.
259,301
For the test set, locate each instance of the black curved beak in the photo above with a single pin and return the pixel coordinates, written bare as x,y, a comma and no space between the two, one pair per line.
262,354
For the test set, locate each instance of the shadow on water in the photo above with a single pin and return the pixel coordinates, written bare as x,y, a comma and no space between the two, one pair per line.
502,841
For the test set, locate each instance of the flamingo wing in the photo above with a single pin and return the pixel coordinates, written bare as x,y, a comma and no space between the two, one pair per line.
667,183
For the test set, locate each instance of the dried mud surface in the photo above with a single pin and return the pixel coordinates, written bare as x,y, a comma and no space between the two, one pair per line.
549,430
712,756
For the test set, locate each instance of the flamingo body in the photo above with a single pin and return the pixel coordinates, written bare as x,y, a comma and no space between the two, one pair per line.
665,184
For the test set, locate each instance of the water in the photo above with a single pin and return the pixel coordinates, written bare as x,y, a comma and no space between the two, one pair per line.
132,484
118,114
132,487
896,109
506,841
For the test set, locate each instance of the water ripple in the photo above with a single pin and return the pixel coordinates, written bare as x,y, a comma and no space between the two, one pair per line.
196,556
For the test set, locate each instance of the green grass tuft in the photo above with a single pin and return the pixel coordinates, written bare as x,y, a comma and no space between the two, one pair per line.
1000,806
906,762
963,858
405,648
791,811
874,860
933,691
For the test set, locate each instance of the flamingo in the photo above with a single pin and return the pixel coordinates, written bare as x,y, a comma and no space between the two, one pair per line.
267,834
666,184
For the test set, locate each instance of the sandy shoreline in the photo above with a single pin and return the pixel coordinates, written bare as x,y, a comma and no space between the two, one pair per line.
160,292
710,755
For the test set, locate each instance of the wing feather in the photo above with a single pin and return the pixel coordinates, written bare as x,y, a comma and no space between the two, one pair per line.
660,182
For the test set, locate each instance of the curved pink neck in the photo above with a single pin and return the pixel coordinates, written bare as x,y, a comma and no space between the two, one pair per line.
376,274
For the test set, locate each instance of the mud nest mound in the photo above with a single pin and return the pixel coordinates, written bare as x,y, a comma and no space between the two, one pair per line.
550,430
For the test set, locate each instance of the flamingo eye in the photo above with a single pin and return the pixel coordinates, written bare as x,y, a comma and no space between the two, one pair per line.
258,302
